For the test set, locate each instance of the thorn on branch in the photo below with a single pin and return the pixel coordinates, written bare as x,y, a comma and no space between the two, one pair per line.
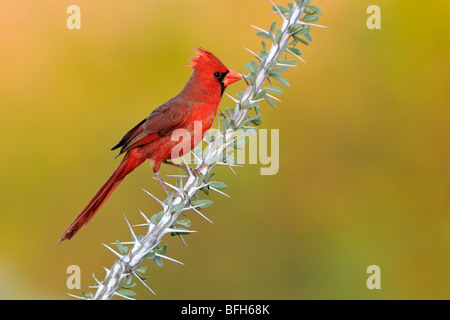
156,199
168,258
295,55
113,251
259,29
201,214
143,283
133,235
278,10
232,98
313,25
254,54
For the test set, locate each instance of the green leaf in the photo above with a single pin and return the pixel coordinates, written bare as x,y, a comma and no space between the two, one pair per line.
87,295
163,249
233,124
260,94
315,9
204,203
128,280
210,176
289,62
281,80
230,111
299,39
158,261
281,8
310,18
273,26
272,104
272,64
127,293
297,51
257,122
263,35
218,185
308,37
124,286
278,36
239,95
150,255
177,208
295,27
123,250
278,70
141,269
252,67
251,77
273,89
184,222
156,217
225,125
247,105
141,276
205,191
254,117
303,30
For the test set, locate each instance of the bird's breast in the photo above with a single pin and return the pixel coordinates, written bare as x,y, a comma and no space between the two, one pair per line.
201,118
182,140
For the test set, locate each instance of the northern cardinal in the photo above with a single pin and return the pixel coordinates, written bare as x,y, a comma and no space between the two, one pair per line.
151,138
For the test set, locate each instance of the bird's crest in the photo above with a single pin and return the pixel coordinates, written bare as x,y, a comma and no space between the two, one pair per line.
205,59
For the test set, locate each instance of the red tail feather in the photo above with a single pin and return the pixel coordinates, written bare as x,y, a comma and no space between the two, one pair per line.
128,164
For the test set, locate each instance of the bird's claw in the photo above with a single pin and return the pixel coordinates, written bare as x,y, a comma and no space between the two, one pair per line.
195,172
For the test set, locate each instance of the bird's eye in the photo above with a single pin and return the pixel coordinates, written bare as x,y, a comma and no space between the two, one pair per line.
217,75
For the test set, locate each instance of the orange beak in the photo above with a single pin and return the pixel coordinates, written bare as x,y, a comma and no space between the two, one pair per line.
231,77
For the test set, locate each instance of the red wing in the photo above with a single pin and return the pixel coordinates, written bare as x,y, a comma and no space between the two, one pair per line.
161,122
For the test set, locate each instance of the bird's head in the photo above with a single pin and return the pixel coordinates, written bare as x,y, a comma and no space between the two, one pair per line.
211,70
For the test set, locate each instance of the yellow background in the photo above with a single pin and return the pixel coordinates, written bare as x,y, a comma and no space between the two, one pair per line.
364,151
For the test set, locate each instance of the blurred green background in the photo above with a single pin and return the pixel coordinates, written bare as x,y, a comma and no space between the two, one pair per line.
364,150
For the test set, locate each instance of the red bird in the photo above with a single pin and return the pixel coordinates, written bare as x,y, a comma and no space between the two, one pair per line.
151,138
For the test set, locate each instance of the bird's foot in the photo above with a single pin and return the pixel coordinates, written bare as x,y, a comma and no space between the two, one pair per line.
198,171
